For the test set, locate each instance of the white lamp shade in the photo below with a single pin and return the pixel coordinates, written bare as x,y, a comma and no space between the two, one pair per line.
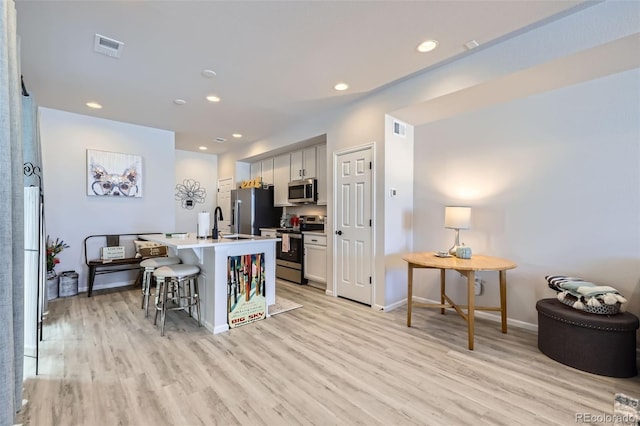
457,217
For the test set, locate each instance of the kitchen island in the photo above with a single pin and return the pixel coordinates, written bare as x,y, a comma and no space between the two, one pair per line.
217,287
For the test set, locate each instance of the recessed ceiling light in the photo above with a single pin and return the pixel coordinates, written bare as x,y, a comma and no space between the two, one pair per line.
179,101
213,98
341,86
237,135
427,46
203,148
94,105
208,73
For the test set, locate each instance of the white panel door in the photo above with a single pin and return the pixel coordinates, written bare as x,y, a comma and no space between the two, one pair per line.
224,201
353,231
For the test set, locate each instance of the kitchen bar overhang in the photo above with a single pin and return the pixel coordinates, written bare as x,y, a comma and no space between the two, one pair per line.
211,255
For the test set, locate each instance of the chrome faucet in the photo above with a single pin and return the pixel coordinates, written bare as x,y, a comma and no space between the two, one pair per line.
217,215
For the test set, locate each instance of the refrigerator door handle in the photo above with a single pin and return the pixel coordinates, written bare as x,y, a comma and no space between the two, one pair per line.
236,216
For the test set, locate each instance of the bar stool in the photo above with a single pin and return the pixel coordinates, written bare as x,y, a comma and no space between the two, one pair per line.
170,280
148,266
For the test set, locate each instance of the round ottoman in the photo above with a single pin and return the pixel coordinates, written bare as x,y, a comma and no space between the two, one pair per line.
599,344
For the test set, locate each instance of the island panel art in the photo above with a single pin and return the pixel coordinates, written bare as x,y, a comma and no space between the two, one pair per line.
246,297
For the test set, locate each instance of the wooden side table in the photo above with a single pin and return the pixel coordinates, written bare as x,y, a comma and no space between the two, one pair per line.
466,267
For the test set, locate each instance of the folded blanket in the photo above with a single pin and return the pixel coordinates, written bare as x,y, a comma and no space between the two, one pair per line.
585,292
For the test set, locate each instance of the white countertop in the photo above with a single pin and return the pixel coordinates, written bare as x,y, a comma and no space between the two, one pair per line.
191,241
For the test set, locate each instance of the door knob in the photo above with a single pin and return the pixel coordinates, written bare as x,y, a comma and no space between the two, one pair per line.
338,232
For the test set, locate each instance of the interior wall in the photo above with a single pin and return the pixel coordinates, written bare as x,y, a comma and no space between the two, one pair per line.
399,164
554,185
72,215
203,169
362,122
307,209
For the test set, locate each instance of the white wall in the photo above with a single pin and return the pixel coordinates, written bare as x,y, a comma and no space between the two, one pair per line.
399,163
72,215
364,121
202,168
554,185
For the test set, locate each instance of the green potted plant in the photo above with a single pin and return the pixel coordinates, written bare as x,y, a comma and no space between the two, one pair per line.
53,250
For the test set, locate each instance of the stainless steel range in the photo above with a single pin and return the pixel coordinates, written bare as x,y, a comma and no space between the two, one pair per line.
290,251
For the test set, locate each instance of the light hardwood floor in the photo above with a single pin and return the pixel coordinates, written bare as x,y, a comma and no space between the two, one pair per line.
331,362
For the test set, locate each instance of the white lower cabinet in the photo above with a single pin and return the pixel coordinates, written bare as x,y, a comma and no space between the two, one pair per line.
271,233
315,258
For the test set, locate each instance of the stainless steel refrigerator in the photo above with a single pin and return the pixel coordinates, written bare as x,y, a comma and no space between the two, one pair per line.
252,209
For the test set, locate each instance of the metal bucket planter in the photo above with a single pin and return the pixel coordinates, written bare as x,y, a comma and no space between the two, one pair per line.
68,283
52,285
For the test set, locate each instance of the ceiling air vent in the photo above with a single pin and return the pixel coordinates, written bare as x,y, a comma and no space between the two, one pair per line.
399,128
221,140
107,46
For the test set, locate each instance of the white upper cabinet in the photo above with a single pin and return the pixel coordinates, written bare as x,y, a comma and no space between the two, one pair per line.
267,171
263,169
256,170
278,171
321,173
303,164
281,178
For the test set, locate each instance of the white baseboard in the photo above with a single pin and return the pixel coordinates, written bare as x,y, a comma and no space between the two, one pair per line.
106,286
30,351
480,314
395,305
220,328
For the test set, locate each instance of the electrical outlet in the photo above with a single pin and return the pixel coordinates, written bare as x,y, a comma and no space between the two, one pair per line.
477,286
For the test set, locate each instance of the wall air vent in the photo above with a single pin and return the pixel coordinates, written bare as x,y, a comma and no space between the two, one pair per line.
399,128
107,46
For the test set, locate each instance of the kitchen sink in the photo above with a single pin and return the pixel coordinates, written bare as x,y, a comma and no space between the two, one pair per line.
236,237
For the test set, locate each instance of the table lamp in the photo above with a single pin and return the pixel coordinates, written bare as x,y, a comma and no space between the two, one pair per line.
456,217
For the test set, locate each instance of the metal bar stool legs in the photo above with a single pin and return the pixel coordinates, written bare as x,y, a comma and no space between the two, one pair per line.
148,267
170,287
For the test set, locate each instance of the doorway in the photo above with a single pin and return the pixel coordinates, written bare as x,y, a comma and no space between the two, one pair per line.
224,201
353,254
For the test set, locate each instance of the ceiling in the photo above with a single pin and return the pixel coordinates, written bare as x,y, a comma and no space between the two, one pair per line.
275,62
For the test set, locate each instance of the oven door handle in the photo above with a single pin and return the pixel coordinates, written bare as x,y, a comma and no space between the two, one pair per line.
294,236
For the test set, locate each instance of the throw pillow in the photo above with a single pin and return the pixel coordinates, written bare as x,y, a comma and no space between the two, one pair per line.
144,244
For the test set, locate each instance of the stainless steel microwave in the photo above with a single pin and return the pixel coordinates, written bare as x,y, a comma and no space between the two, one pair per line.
303,191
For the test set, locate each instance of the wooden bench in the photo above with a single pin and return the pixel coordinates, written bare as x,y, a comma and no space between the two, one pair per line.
99,266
